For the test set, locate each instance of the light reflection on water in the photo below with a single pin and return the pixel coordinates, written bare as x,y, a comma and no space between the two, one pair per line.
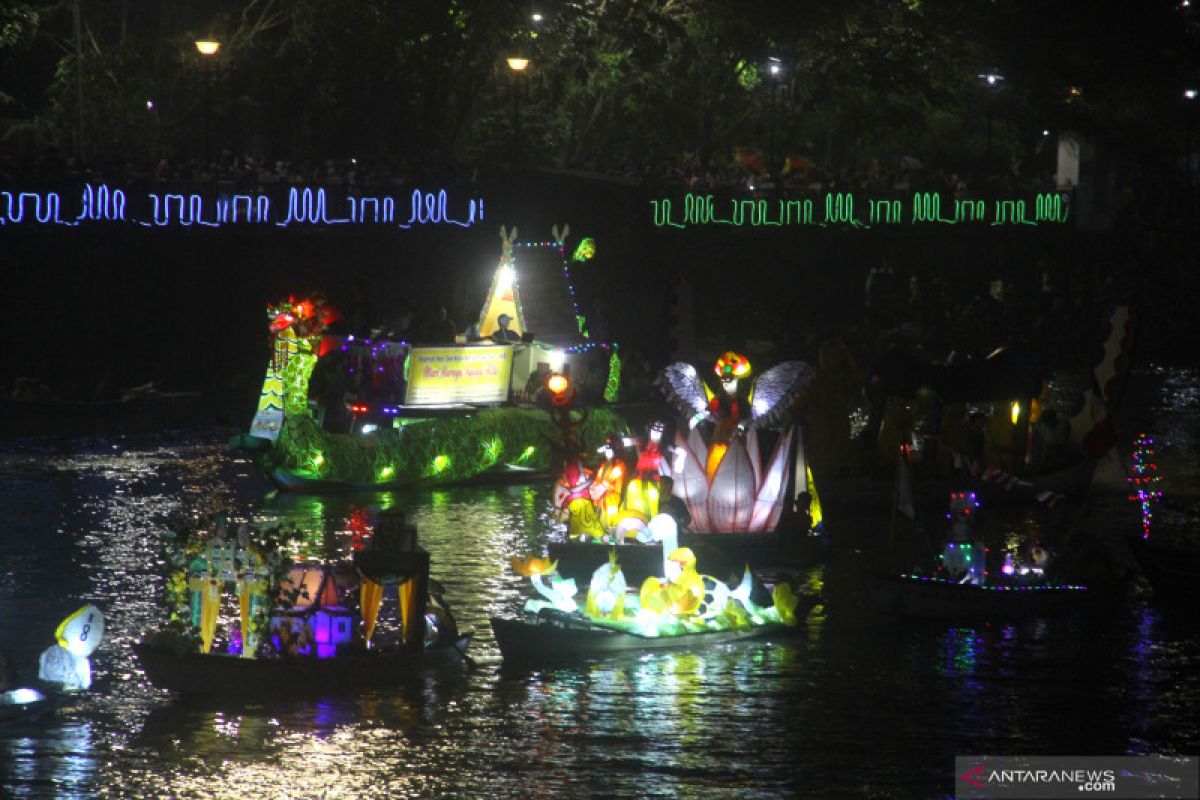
792,718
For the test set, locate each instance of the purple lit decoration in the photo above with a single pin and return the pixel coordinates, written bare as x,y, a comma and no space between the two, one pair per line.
1144,478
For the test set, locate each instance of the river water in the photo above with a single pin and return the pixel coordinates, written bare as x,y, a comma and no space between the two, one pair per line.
858,705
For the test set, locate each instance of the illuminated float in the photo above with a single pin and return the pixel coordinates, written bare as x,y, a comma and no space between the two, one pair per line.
719,470
730,500
64,669
1009,427
678,607
424,414
966,583
1167,547
248,618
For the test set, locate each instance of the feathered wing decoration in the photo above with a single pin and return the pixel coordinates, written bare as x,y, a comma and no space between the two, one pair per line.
683,388
774,391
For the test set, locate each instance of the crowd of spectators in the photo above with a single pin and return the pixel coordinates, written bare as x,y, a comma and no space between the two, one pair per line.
747,174
241,171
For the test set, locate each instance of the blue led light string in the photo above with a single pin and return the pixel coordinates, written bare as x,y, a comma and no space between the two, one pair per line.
102,203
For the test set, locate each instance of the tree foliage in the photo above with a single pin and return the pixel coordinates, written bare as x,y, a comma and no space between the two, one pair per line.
632,87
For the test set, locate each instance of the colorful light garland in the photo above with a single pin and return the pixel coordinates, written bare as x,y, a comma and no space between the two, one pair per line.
1144,479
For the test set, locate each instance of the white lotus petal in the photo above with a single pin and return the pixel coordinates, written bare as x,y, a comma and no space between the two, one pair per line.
731,496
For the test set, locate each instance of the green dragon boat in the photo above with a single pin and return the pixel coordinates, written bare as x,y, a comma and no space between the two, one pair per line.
467,412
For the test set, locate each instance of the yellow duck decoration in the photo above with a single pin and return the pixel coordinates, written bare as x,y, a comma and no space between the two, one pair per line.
682,592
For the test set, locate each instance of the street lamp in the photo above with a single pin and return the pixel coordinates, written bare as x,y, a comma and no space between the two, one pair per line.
991,81
516,67
1190,94
774,71
207,48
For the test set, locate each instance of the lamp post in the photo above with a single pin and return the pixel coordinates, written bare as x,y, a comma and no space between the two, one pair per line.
991,83
516,67
208,50
774,71
1189,95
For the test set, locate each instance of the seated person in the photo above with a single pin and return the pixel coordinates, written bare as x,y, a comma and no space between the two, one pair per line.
503,335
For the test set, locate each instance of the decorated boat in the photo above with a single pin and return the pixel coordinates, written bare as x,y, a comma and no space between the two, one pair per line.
679,607
1013,427
1167,549
737,482
300,626
942,598
395,413
27,704
968,583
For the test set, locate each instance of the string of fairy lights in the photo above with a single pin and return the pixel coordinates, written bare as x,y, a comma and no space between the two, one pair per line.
1144,479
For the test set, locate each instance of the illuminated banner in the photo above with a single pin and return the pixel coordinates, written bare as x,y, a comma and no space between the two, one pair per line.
438,375
217,207
844,209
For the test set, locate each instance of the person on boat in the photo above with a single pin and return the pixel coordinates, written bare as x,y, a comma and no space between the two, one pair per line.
608,488
503,335
441,329
645,489
573,502
440,626
963,557
330,387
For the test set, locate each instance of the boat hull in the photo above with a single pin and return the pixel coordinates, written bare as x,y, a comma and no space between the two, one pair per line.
492,446
912,596
562,637
197,674
17,714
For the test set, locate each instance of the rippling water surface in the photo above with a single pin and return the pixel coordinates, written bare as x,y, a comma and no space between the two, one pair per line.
857,705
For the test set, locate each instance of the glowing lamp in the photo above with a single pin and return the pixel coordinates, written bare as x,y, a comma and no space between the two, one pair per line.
558,384
517,64
1190,94
1016,412
208,47
440,462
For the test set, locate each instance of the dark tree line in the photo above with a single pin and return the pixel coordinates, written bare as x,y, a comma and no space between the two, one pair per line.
639,88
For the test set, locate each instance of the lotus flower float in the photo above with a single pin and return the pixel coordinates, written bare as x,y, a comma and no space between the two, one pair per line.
742,495
718,468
